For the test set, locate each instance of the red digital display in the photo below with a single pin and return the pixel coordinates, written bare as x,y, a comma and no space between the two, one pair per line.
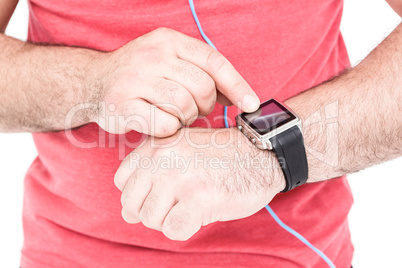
269,116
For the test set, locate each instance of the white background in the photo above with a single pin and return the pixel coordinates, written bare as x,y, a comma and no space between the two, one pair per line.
375,219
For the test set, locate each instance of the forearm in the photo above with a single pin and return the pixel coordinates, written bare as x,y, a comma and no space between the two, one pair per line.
355,120
349,123
40,84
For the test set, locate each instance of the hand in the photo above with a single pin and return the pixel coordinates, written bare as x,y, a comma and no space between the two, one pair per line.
181,183
165,79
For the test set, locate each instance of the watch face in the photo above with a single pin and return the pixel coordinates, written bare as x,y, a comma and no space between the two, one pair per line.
268,117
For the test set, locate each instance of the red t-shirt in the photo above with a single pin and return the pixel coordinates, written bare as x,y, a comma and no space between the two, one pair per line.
72,208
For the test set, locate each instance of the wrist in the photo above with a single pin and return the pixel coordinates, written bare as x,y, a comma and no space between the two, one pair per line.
269,168
77,74
278,178
96,83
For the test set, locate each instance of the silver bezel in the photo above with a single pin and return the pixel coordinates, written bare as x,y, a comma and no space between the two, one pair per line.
263,141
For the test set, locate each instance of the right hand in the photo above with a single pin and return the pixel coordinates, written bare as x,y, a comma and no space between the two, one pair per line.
165,79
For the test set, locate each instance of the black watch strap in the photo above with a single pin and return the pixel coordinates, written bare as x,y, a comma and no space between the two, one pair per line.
289,149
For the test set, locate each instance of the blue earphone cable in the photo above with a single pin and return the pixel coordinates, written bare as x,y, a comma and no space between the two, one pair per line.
225,116
209,42
300,237
268,208
199,24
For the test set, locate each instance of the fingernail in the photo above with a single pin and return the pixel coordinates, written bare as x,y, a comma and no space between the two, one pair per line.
250,103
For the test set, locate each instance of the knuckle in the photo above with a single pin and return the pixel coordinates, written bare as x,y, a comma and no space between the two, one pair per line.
237,86
205,88
215,61
175,223
167,90
177,234
153,45
167,128
162,34
211,107
194,46
163,31
186,107
191,117
190,72
208,106
127,192
202,87
173,229
181,98
208,89
148,211
119,175
151,51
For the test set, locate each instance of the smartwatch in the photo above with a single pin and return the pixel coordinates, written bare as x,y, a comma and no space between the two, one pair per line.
276,127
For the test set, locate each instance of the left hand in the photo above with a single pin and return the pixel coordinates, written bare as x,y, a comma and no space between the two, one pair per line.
196,177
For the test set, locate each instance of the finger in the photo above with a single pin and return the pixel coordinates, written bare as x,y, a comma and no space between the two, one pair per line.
128,217
135,192
182,221
143,117
228,81
173,98
157,205
197,82
125,171
132,163
129,166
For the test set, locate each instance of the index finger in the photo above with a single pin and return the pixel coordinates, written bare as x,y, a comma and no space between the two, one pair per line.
228,81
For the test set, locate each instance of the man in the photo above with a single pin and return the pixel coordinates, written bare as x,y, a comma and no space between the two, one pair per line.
164,79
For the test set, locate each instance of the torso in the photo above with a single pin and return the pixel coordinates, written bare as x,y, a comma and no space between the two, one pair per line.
72,208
